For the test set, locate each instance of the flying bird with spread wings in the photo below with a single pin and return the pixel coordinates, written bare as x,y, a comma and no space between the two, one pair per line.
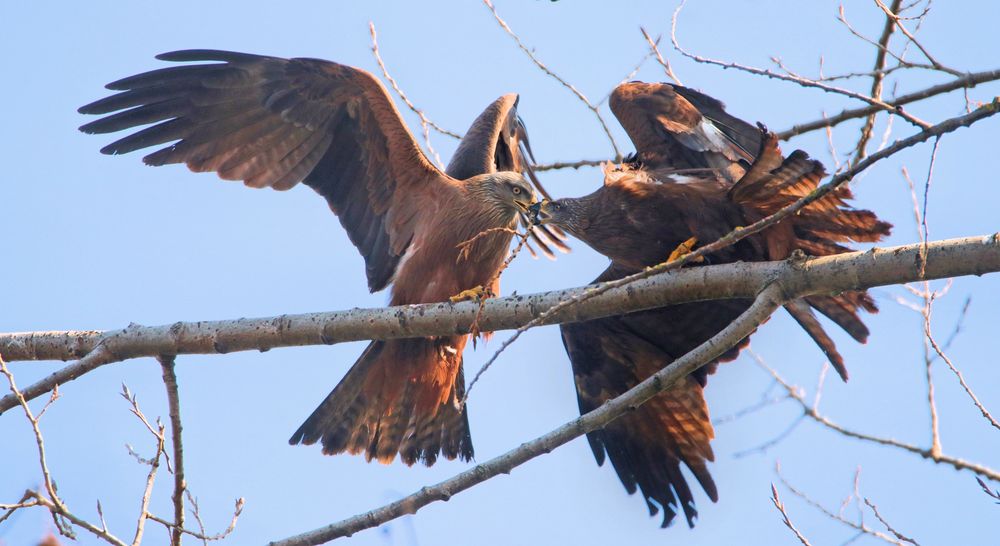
697,174
274,122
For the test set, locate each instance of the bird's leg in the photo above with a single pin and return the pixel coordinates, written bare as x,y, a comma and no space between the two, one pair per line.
477,293
685,248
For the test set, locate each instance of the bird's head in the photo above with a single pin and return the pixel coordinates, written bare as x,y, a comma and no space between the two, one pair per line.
563,213
511,191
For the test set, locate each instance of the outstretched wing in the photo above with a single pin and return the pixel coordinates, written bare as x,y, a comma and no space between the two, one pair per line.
647,446
274,122
820,229
498,141
675,128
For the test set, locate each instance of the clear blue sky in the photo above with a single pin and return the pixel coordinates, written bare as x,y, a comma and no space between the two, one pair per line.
96,242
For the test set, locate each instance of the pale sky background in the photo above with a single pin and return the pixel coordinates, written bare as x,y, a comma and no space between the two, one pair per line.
96,242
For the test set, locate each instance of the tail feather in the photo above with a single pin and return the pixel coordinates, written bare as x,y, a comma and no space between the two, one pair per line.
843,310
802,314
401,396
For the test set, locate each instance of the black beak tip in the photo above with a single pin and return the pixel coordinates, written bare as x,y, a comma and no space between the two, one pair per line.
533,212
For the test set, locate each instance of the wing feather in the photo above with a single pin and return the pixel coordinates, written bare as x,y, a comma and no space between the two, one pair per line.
675,128
274,122
647,446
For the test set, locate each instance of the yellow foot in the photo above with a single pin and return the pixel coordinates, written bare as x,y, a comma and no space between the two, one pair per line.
476,293
685,248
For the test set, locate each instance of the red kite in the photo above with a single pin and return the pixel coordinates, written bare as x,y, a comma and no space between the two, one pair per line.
274,122
697,172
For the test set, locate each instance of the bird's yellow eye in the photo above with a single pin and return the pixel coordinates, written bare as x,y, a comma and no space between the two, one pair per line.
517,190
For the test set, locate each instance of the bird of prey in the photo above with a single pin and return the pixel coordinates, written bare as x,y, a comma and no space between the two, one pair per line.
697,174
274,122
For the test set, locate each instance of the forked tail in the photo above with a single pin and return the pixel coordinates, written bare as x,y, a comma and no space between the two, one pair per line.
401,396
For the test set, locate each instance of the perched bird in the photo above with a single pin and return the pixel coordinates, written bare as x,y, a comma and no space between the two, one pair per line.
697,174
274,122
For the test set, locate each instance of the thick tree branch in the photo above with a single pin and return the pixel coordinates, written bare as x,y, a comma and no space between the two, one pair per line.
167,363
851,271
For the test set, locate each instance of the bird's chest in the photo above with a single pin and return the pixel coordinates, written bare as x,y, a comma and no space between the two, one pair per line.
458,256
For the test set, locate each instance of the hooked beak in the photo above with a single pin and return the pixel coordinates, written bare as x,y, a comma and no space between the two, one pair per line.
538,213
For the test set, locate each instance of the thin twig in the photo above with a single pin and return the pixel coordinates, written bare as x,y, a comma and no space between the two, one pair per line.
804,82
860,526
968,390
583,98
888,527
201,535
969,80
784,515
425,123
913,39
522,241
654,48
57,508
557,165
958,464
465,246
158,432
47,481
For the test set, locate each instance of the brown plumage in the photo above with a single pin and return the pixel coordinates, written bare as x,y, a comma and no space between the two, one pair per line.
699,172
275,122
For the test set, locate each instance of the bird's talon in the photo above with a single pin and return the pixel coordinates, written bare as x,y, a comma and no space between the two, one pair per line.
684,249
477,293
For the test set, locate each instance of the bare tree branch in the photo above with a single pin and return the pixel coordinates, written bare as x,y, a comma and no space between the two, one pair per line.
583,98
804,82
968,390
174,407
202,535
969,80
659,57
851,271
425,123
859,526
813,413
784,515
60,513
891,14
877,79
888,527
570,164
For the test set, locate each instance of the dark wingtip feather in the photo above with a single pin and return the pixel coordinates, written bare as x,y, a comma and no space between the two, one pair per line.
89,108
186,55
